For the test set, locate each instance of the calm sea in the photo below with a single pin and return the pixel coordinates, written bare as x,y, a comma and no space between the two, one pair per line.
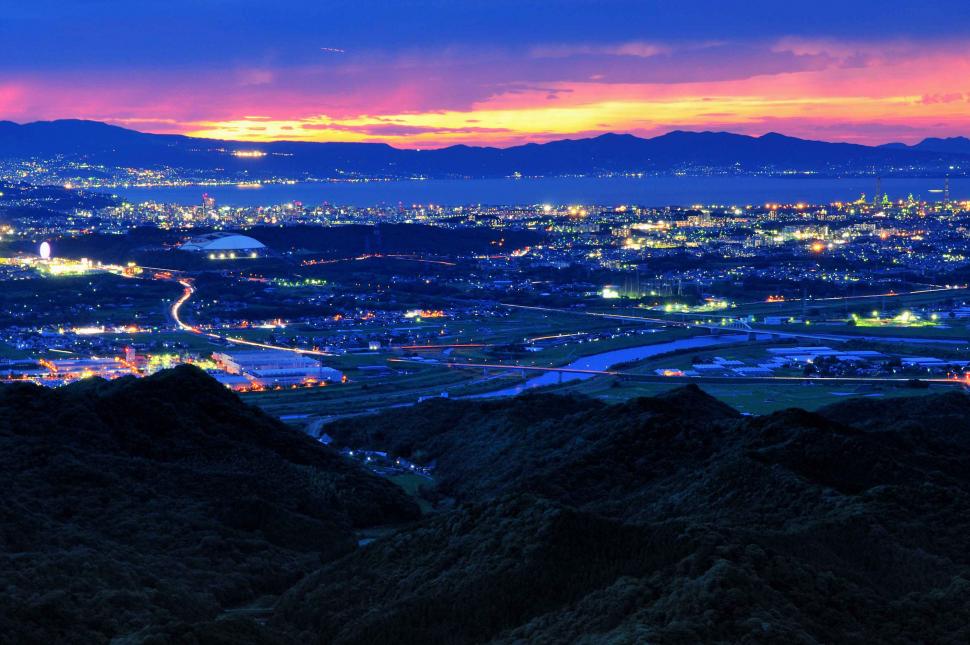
647,191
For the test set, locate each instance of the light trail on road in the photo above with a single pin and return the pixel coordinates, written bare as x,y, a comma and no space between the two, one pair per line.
454,345
368,256
532,368
175,310
839,338
701,379
890,294
189,291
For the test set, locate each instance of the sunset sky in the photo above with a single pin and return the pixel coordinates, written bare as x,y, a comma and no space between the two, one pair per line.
434,73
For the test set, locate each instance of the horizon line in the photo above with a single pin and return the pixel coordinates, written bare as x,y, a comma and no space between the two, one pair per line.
564,137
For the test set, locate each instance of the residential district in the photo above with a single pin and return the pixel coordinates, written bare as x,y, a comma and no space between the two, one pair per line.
321,310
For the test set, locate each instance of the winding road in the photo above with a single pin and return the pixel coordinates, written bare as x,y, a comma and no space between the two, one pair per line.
175,311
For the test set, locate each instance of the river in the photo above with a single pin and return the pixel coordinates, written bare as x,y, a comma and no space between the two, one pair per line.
647,191
605,360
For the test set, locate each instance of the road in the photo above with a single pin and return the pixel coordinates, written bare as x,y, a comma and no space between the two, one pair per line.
744,327
175,311
368,256
653,378
870,296
189,291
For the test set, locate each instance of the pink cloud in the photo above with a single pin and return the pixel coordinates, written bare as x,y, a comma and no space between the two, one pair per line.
930,99
867,92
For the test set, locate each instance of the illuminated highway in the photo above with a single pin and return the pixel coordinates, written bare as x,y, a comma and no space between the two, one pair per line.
647,319
890,294
176,313
445,346
656,378
368,256
733,327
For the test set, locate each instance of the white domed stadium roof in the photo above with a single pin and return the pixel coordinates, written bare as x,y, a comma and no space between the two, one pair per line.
222,242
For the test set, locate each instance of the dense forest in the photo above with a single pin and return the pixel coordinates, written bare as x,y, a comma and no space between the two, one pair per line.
666,520
148,511
138,508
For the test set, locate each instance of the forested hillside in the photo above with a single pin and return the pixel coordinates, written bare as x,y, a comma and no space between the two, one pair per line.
153,510
668,520
139,507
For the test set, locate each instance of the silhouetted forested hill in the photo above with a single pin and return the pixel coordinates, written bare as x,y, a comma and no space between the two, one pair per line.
668,520
579,451
139,507
141,510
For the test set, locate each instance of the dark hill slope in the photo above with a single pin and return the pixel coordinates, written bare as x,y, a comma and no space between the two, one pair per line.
577,451
948,145
464,576
944,416
668,520
131,507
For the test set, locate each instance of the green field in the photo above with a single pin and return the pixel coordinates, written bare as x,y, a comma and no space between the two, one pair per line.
360,395
365,393
858,304
412,485
955,330
822,308
369,391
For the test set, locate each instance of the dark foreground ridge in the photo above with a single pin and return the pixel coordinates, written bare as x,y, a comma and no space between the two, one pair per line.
141,510
138,507
664,520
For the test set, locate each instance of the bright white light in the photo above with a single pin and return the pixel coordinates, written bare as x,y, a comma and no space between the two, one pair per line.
45,250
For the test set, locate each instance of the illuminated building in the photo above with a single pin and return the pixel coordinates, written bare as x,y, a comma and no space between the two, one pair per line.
58,267
71,369
224,246
272,368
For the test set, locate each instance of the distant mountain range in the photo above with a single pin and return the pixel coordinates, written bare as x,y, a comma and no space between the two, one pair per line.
678,151
950,145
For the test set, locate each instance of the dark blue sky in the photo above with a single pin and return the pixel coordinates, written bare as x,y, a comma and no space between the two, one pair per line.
41,34
209,65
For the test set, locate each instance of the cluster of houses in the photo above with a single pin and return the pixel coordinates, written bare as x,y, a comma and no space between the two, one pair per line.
239,370
822,360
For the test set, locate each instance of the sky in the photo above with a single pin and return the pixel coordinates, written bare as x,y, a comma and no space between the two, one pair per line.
432,73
